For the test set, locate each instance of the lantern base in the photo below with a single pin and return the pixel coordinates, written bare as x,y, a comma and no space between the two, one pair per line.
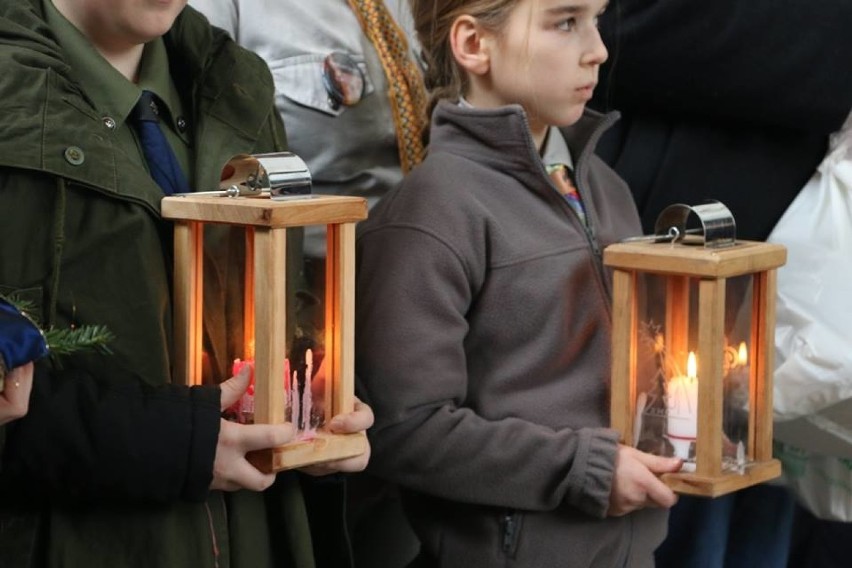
325,447
716,486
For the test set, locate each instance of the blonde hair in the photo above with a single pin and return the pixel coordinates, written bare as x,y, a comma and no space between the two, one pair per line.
433,21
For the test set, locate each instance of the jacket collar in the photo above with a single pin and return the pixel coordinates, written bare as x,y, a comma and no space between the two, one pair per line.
50,125
504,139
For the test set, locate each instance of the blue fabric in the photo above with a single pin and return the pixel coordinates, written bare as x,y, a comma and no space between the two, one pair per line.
750,528
817,543
162,162
21,341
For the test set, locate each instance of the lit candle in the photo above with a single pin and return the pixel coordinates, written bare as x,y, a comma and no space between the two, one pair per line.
682,415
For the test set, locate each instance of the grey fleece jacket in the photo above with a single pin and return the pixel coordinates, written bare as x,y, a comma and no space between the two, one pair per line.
483,345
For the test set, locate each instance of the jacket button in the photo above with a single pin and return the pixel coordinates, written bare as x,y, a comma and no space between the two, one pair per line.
109,122
181,123
74,155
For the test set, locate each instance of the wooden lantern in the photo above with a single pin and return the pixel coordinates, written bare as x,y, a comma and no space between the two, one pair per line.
693,346
266,222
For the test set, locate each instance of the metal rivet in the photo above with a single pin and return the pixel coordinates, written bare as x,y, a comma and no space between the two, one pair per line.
181,123
74,155
109,122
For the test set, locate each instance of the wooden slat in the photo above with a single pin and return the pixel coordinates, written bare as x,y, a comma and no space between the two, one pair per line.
765,290
270,295
324,448
188,301
623,383
715,486
264,212
344,388
743,258
711,325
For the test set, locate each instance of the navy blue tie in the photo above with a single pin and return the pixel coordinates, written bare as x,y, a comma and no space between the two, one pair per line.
162,162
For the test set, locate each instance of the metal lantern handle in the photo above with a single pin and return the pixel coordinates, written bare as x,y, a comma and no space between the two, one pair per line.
279,175
718,227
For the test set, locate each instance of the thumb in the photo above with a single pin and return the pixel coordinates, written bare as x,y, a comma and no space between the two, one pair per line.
235,387
660,464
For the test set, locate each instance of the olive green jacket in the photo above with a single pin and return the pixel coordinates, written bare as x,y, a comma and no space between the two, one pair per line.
111,465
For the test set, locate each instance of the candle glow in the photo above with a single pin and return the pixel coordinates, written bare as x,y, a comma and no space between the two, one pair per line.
742,354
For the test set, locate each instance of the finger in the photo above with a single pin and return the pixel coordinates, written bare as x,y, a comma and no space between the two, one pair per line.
235,387
243,475
262,436
659,464
15,396
660,494
358,420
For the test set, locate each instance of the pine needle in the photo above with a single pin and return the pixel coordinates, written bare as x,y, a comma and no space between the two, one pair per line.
67,341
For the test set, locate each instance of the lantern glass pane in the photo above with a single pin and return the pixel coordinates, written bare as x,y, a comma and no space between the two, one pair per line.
230,324
306,355
737,371
666,397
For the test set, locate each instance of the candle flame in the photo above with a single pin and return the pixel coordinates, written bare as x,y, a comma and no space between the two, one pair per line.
742,354
691,366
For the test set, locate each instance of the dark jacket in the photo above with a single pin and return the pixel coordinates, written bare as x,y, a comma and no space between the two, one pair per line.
723,100
483,344
111,466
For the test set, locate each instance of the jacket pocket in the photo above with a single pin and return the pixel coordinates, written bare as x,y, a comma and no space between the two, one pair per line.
300,79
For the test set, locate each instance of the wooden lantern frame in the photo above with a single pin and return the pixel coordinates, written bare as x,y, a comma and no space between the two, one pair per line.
679,263
266,222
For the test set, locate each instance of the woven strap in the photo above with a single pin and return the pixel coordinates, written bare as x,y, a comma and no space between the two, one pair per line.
405,81
563,179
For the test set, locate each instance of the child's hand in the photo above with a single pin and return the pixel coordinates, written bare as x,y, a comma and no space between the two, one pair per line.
231,470
15,396
636,484
359,420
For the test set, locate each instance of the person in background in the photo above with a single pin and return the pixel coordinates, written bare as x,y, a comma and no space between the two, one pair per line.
335,89
113,465
719,102
483,309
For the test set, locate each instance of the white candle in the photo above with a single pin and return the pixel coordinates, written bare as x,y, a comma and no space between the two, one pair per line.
682,414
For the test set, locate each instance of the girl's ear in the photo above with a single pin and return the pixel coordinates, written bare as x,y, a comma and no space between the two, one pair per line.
469,49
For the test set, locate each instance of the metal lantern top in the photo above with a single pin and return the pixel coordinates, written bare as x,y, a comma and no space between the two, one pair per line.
701,242
278,175
718,228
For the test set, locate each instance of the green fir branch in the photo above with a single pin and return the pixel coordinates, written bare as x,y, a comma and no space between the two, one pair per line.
66,341
87,337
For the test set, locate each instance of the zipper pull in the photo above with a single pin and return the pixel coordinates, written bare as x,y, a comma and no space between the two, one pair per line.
510,532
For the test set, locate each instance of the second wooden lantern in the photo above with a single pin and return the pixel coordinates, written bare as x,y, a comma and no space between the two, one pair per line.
693,345
303,382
